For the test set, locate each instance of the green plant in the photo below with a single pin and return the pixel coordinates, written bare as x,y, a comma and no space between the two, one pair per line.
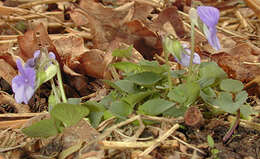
214,151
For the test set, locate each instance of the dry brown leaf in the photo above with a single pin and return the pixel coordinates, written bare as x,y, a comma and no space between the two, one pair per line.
80,83
233,62
108,16
254,5
170,15
7,72
9,100
93,63
33,40
142,11
78,18
70,46
145,41
28,44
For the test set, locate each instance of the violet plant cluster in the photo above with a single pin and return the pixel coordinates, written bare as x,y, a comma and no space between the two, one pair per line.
25,84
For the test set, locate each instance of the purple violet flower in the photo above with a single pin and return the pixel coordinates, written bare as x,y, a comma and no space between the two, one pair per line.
210,16
32,61
23,85
185,57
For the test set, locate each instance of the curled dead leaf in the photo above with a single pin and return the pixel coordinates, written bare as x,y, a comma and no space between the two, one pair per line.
9,100
170,15
233,62
193,117
32,40
94,64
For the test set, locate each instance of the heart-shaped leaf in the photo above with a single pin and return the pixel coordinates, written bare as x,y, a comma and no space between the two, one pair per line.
120,109
155,106
69,114
145,78
43,128
231,85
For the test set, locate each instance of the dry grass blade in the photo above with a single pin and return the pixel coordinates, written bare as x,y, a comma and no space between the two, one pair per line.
38,2
254,5
159,141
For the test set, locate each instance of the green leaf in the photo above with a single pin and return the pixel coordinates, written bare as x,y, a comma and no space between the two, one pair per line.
225,102
94,106
210,141
231,85
73,100
208,95
107,115
206,82
95,118
241,98
133,99
177,73
126,66
44,76
126,86
145,78
173,46
185,93
175,111
151,66
69,114
120,109
123,52
155,106
209,70
43,128
109,99
52,101
246,111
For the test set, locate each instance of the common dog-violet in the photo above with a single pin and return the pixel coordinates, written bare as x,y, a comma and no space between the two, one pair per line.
23,85
210,16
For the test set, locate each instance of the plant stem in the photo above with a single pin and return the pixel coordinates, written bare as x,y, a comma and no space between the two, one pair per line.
168,70
63,96
233,127
192,48
55,91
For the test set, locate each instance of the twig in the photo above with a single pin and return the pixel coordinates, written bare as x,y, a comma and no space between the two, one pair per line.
12,38
12,123
21,115
38,2
136,144
188,145
159,141
109,130
31,16
12,148
162,119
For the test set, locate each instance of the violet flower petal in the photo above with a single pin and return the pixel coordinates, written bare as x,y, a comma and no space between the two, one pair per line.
52,55
185,58
23,84
32,61
210,16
